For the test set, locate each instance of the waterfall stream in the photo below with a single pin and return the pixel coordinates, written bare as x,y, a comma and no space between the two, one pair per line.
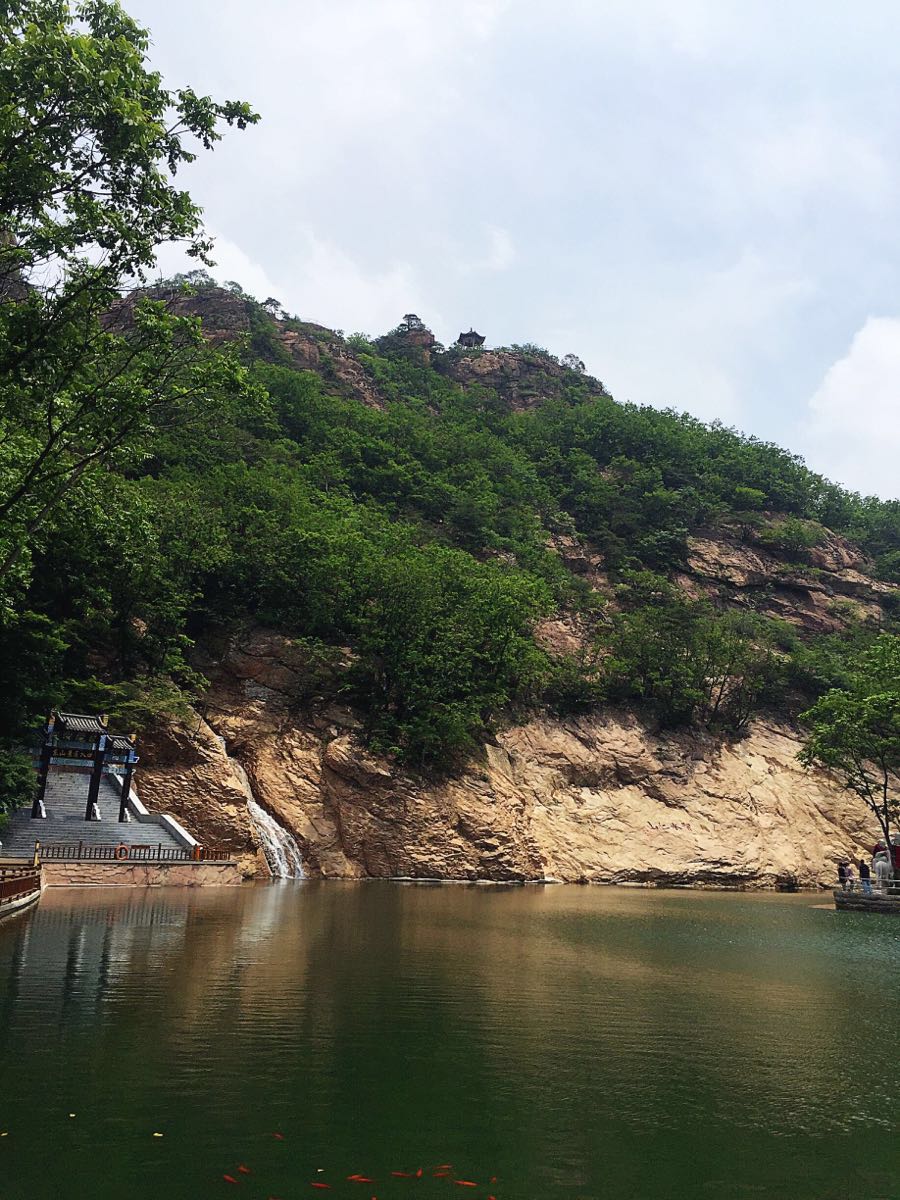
279,844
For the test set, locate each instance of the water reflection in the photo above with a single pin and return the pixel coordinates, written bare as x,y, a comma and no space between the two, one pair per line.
572,1042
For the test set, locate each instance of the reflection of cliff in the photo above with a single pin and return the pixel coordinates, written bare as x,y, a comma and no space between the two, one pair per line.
598,798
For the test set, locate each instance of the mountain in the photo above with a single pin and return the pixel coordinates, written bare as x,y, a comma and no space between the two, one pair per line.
458,613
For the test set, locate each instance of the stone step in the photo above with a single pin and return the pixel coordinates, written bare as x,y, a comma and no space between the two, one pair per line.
65,801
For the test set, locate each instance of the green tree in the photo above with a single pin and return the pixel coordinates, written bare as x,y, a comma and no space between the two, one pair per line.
688,662
445,649
90,142
855,732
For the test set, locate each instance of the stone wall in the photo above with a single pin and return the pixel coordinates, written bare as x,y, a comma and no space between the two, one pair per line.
127,874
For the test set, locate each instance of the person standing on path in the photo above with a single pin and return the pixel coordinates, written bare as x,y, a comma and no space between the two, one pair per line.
865,877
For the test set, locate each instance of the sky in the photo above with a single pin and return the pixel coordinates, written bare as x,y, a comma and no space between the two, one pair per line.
700,198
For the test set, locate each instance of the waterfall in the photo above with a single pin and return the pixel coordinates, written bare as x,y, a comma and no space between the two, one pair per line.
279,844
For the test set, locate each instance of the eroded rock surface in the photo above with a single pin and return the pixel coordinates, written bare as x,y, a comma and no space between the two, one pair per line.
597,799
824,596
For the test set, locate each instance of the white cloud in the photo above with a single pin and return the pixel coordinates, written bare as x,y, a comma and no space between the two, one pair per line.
316,279
230,263
499,253
686,344
853,427
811,157
329,285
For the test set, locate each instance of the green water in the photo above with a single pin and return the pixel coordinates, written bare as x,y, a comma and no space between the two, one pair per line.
568,1042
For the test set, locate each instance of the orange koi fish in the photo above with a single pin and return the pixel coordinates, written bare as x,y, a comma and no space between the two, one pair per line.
323,1186
464,1183
403,1174
244,1170
360,1179
230,1179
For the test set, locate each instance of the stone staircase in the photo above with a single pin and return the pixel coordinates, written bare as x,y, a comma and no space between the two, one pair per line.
65,801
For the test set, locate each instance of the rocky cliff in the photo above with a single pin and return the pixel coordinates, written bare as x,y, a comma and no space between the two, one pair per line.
602,798
597,799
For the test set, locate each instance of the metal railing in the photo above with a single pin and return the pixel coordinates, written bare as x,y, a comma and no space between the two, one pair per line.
123,852
857,887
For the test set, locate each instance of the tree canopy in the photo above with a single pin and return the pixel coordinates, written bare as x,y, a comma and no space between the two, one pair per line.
159,487
855,731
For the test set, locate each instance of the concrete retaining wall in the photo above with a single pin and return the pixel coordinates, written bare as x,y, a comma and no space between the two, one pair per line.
139,874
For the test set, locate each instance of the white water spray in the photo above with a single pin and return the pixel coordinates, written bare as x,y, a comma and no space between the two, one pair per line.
279,844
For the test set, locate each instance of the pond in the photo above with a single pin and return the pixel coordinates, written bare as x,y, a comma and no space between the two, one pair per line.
536,1042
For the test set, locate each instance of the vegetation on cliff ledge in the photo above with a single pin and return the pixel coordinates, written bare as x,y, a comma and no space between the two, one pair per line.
158,485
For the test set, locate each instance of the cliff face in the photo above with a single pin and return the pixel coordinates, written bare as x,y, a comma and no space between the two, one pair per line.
304,345
824,595
522,380
601,798
597,799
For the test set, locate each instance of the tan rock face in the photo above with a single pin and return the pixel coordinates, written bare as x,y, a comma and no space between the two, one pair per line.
596,799
824,598
523,380
188,775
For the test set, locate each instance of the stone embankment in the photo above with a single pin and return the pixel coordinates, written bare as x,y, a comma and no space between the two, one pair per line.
138,874
599,799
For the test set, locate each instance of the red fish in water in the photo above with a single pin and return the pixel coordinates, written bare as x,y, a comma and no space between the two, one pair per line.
324,1186
403,1174
440,1174
464,1183
278,1136
444,1167
360,1179
230,1179
419,1173
244,1170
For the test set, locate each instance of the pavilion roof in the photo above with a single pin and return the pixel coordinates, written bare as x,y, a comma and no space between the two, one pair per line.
80,723
116,741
